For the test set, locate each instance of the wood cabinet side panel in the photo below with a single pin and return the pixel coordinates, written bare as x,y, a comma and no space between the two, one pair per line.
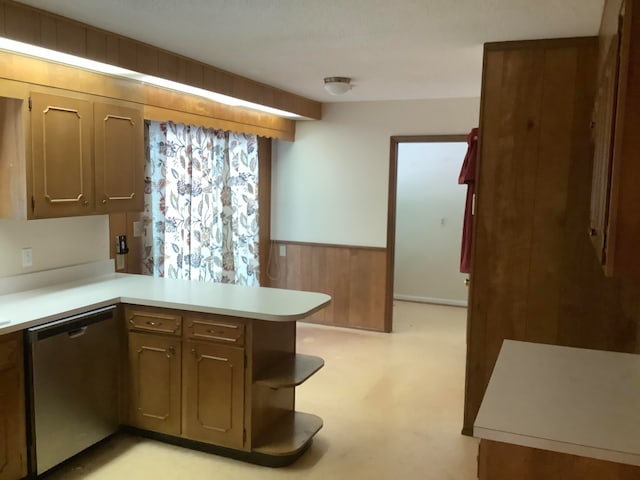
270,342
624,222
13,442
502,461
535,277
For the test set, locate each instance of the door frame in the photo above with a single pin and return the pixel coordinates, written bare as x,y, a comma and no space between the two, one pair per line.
391,209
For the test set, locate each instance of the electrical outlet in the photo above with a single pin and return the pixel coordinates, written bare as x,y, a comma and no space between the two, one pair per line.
137,229
27,257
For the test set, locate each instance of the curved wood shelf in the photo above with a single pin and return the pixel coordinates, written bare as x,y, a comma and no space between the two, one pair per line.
290,435
291,371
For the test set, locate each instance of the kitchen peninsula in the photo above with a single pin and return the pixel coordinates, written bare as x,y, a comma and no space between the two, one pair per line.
207,366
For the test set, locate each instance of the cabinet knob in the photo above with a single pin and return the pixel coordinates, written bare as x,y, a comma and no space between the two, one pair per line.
85,203
171,351
593,232
104,201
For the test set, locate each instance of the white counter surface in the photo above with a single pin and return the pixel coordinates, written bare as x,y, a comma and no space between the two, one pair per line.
569,400
36,306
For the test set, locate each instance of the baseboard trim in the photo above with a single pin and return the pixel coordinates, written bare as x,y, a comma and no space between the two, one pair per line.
436,301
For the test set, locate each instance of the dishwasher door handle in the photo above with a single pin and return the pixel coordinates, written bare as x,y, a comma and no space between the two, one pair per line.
78,332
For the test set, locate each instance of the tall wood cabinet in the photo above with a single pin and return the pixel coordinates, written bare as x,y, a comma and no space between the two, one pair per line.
615,217
13,443
534,275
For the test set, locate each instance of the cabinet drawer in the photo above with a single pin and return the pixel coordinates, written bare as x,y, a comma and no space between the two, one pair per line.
144,320
215,329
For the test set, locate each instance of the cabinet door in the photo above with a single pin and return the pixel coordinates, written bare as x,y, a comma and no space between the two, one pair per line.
62,165
214,394
13,444
119,158
154,382
603,127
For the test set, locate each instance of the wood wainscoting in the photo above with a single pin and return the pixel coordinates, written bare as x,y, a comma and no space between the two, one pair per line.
355,277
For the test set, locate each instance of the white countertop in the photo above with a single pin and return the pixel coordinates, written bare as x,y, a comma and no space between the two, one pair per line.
36,306
570,400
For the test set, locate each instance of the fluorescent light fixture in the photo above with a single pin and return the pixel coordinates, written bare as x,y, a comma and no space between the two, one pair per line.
86,64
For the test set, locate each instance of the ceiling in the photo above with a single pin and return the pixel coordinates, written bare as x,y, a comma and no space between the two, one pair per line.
393,50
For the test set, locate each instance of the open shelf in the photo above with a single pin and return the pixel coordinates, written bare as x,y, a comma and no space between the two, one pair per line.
289,435
291,371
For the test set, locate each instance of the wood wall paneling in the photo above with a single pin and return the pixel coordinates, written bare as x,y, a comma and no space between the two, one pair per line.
354,277
71,38
96,46
147,60
21,24
48,33
2,29
535,276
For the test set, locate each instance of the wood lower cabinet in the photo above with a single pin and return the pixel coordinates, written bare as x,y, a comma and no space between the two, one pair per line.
155,382
213,393
13,443
232,382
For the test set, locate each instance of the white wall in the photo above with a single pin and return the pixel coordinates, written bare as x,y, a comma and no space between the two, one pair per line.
331,184
55,243
429,216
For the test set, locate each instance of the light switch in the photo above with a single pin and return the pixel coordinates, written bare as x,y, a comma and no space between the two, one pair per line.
27,257
283,250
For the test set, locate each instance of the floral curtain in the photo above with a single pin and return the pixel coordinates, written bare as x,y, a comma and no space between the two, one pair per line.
201,204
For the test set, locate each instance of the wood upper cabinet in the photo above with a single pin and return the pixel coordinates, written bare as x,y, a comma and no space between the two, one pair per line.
119,158
155,382
67,154
13,443
61,132
615,217
213,393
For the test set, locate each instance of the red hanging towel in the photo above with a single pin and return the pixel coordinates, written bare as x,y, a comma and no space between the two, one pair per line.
468,177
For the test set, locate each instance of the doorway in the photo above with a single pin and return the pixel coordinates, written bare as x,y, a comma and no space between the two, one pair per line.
424,228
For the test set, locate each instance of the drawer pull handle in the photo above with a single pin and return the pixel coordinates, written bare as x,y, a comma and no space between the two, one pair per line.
153,324
171,351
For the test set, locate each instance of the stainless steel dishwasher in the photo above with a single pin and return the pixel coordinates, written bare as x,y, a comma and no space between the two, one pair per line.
73,365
